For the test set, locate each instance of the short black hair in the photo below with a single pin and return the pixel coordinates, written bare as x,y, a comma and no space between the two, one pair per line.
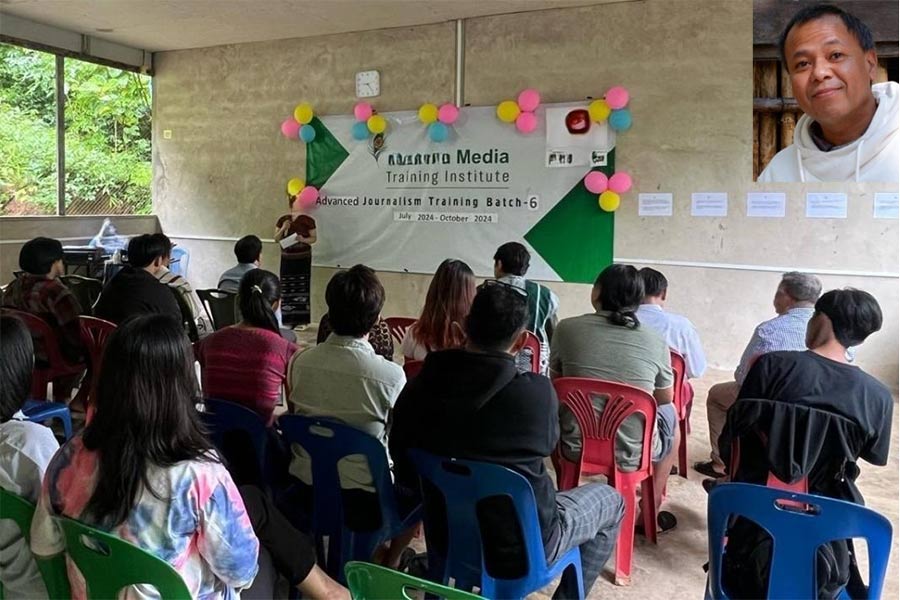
16,365
655,283
621,293
354,298
514,258
857,28
247,249
145,248
854,314
497,316
38,255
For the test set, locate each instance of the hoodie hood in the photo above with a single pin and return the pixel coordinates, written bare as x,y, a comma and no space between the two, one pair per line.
467,380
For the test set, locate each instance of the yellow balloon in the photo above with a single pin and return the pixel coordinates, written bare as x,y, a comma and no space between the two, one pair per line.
599,111
609,201
508,111
294,186
303,113
376,124
428,113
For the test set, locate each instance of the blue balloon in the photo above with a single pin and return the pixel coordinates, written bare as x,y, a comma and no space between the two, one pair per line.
360,130
307,133
438,132
620,120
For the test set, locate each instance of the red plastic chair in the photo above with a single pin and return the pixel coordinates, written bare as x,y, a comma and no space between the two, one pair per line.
398,326
57,366
534,344
598,454
412,367
684,398
94,335
772,481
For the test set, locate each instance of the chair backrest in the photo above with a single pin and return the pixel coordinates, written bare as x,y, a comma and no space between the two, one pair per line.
220,307
374,582
533,344
798,525
43,335
231,428
86,290
94,335
599,434
109,563
411,368
53,570
187,317
464,484
398,326
180,260
772,480
678,368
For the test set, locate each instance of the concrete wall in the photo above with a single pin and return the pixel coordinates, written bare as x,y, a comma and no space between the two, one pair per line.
687,65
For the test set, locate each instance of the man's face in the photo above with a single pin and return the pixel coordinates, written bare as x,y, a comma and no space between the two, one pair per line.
830,73
782,301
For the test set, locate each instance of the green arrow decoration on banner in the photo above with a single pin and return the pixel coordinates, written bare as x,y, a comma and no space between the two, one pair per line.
576,237
324,155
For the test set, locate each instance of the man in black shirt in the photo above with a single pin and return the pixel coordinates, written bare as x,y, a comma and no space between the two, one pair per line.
473,404
135,290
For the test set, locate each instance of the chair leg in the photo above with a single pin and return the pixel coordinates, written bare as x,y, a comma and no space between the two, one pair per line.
66,419
682,448
625,543
649,509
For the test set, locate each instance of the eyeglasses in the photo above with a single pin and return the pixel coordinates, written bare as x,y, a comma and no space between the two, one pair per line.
495,282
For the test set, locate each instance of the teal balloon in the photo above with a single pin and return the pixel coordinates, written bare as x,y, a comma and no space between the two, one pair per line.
307,133
438,132
620,120
360,130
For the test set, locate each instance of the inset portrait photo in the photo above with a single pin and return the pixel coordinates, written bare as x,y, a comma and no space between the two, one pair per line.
826,105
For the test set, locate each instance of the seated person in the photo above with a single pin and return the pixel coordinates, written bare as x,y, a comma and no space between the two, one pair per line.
793,301
472,403
173,280
611,344
135,290
342,378
379,337
248,251
511,262
25,451
247,363
818,380
448,300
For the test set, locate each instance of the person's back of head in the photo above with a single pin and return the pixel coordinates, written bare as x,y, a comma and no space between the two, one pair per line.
512,258
497,318
448,300
619,290
148,250
655,284
259,296
797,289
41,256
355,298
248,249
16,364
848,316
145,413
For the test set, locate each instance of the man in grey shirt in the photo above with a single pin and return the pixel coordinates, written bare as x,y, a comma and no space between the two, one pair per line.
247,250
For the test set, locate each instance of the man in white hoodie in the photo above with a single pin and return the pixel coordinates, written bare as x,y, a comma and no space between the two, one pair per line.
849,131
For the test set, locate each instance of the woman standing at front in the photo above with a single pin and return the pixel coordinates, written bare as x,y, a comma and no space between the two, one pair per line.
296,232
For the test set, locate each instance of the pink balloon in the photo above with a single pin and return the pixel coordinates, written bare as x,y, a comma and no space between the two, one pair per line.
620,182
448,113
362,111
529,100
308,196
616,97
595,182
290,128
526,122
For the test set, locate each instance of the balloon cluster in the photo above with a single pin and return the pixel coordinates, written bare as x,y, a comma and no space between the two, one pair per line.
299,126
608,188
612,108
438,120
367,121
521,111
306,195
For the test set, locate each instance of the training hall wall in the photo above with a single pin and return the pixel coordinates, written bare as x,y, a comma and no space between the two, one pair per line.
688,66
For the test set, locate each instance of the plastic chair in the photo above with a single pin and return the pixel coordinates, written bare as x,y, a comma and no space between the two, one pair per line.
57,366
180,260
463,484
53,569
220,307
38,411
412,367
598,454
796,535
800,486
85,289
682,409
373,582
227,420
94,335
533,345
109,564
327,442
398,326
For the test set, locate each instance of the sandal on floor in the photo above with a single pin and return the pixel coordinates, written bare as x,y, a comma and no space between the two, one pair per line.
665,522
707,468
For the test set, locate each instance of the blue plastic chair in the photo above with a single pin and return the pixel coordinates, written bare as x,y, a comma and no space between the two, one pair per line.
223,419
463,484
39,411
327,442
180,259
796,535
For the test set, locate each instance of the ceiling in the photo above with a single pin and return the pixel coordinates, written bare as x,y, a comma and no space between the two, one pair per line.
158,25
